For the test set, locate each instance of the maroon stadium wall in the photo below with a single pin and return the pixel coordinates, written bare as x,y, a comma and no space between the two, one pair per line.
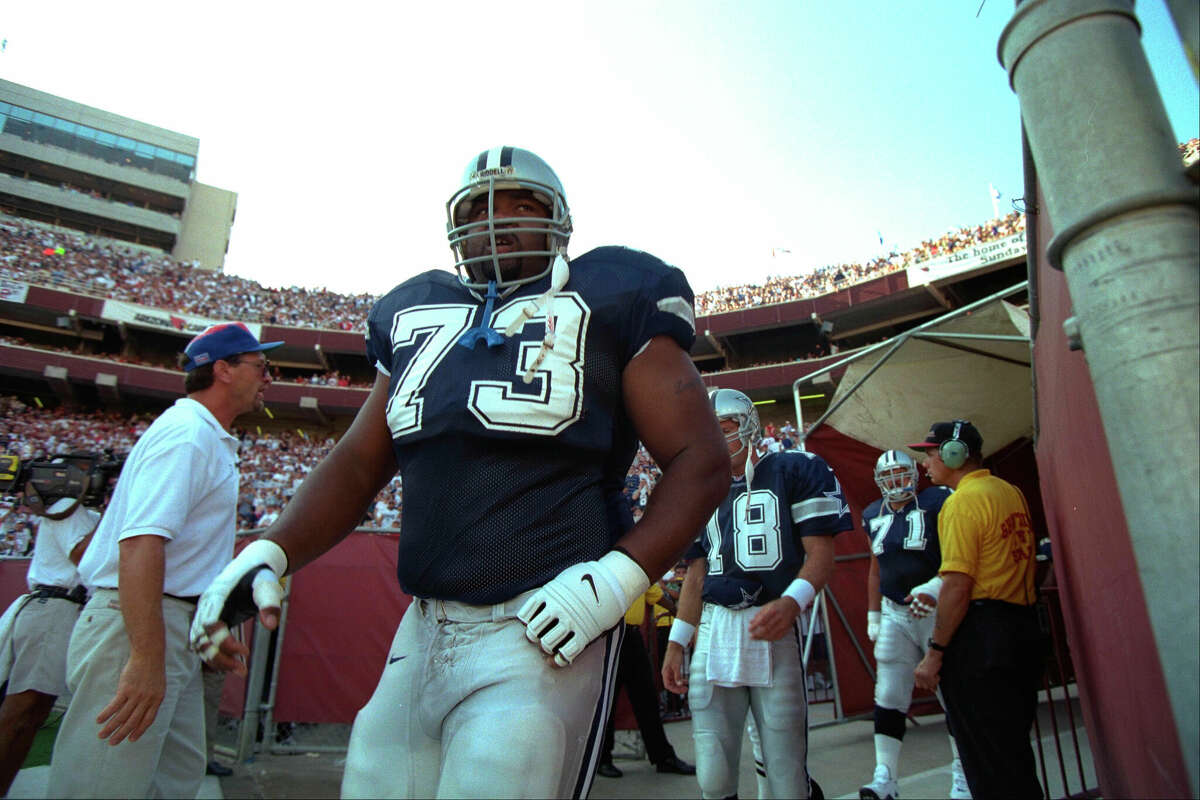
343,610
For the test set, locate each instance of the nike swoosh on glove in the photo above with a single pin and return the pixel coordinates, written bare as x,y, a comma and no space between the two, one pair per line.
248,583
580,603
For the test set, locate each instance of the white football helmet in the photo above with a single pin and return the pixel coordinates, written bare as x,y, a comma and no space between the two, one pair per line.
896,476
496,170
732,404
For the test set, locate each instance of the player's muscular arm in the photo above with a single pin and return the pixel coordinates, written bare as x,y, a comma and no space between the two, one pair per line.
874,600
776,617
691,593
874,595
335,495
323,511
668,404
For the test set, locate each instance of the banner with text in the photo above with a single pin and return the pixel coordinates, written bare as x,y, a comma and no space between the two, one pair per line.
166,321
967,259
13,291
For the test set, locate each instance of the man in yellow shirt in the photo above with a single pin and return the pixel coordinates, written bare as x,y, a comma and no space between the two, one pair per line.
987,651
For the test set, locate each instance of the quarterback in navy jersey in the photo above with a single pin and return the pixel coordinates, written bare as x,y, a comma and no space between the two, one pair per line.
510,398
902,590
759,562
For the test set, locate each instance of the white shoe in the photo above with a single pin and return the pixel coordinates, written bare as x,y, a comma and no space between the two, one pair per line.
959,790
881,787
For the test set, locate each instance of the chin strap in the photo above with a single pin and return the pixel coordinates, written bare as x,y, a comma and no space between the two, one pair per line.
749,478
559,275
484,331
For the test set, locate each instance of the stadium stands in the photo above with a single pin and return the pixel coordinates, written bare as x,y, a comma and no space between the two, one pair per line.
274,462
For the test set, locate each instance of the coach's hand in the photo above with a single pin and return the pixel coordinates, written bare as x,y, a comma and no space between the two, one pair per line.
580,603
248,584
874,620
927,674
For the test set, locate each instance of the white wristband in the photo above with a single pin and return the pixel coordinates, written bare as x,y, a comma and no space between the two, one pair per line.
268,552
931,587
874,617
681,632
625,576
801,591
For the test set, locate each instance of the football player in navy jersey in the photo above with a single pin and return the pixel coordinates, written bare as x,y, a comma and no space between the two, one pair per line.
511,398
760,561
902,591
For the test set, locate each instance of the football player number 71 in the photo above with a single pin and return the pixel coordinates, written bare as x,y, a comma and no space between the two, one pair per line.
550,403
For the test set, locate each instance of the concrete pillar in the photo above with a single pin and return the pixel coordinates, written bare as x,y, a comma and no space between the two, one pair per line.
1127,237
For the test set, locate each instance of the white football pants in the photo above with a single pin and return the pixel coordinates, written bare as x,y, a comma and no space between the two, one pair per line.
780,712
903,640
468,707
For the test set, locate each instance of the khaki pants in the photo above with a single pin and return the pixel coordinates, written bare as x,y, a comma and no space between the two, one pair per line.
168,760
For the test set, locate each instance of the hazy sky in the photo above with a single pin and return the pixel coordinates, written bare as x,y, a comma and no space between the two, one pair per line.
704,132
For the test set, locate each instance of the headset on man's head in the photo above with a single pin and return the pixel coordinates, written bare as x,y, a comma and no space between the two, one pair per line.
954,452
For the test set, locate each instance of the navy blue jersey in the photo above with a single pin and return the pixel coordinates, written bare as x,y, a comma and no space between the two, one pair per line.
506,483
753,543
906,541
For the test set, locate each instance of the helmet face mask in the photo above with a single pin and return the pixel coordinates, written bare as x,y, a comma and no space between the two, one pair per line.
474,242
896,476
733,405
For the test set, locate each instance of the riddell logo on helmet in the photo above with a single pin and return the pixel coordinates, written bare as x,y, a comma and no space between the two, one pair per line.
492,172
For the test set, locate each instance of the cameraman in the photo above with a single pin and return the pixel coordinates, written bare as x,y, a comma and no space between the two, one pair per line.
42,628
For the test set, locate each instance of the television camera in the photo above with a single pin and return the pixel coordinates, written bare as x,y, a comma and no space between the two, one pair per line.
82,476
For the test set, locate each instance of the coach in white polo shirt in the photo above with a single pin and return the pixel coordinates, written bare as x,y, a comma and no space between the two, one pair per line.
135,725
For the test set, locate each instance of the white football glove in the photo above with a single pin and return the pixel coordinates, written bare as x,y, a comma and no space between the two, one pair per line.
873,618
918,607
247,584
580,603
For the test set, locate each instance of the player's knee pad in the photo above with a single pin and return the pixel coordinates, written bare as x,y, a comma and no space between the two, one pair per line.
713,771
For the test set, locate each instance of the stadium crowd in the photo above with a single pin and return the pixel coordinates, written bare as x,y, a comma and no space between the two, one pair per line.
329,378
34,253
834,277
272,465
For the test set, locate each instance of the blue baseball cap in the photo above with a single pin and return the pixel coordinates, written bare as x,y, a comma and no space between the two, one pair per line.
221,341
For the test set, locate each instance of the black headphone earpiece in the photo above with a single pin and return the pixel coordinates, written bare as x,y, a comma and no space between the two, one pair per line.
954,451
